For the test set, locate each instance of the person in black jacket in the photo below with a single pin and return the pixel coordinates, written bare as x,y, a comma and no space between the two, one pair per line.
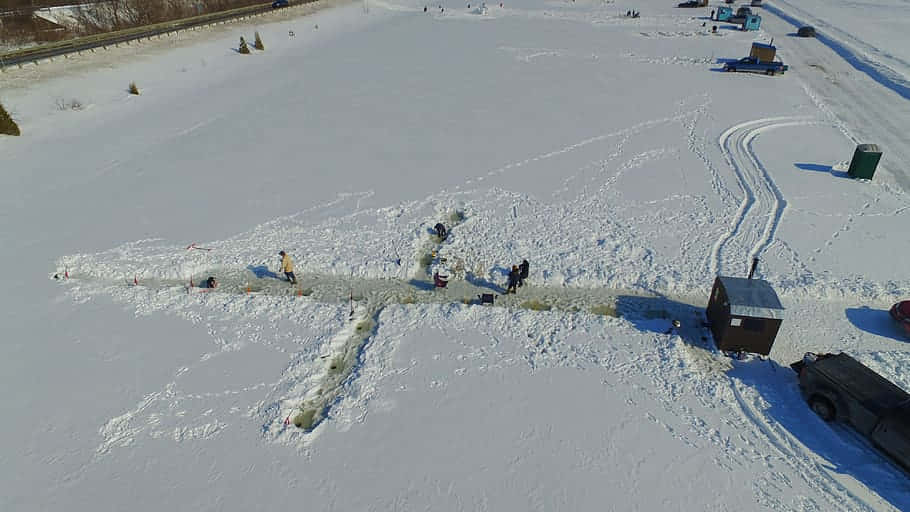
523,270
514,277
441,231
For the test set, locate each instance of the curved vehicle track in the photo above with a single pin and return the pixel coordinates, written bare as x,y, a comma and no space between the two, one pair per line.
762,207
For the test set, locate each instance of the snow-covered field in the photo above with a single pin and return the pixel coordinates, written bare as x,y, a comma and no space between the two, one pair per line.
608,151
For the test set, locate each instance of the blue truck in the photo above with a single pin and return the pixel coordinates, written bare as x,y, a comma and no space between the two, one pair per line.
752,64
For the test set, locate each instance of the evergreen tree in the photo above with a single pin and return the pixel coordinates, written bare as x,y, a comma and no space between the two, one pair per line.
7,125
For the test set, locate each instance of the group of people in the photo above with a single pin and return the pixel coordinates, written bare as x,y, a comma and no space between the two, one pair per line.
517,276
483,7
287,266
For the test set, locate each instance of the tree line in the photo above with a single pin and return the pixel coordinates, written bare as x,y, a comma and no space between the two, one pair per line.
87,18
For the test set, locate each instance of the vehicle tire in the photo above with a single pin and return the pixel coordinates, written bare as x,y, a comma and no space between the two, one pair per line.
769,72
823,407
731,69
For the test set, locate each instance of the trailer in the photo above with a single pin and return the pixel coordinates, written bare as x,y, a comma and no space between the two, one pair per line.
840,388
763,52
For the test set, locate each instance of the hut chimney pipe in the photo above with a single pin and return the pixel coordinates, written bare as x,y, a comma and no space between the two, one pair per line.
754,266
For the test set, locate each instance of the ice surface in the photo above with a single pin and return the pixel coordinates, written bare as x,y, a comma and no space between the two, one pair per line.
610,152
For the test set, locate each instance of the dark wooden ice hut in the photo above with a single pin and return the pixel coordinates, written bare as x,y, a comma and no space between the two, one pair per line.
744,314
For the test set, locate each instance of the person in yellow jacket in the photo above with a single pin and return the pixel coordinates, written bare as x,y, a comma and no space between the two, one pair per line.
287,266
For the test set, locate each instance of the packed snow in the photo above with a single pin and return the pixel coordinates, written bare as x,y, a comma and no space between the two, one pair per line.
609,151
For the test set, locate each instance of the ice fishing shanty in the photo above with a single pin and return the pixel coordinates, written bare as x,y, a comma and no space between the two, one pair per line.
744,314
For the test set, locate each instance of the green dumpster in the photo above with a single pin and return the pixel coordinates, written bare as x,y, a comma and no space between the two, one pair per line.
865,160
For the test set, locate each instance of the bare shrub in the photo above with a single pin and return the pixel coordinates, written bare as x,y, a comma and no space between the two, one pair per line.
133,89
244,49
112,15
257,43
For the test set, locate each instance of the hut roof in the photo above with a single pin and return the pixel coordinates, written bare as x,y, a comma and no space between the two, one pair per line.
751,297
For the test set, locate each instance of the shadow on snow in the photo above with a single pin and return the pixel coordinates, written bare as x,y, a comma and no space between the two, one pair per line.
262,271
844,451
656,314
823,168
875,321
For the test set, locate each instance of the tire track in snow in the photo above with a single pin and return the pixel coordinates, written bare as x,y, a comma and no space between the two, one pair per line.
762,207
780,204
858,107
877,63
805,463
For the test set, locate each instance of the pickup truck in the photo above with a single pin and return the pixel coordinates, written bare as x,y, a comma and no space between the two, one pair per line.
839,387
754,65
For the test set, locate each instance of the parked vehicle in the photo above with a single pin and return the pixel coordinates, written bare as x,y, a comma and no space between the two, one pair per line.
806,31
900,312
755,3
279,3
693,3
838,387
752,64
